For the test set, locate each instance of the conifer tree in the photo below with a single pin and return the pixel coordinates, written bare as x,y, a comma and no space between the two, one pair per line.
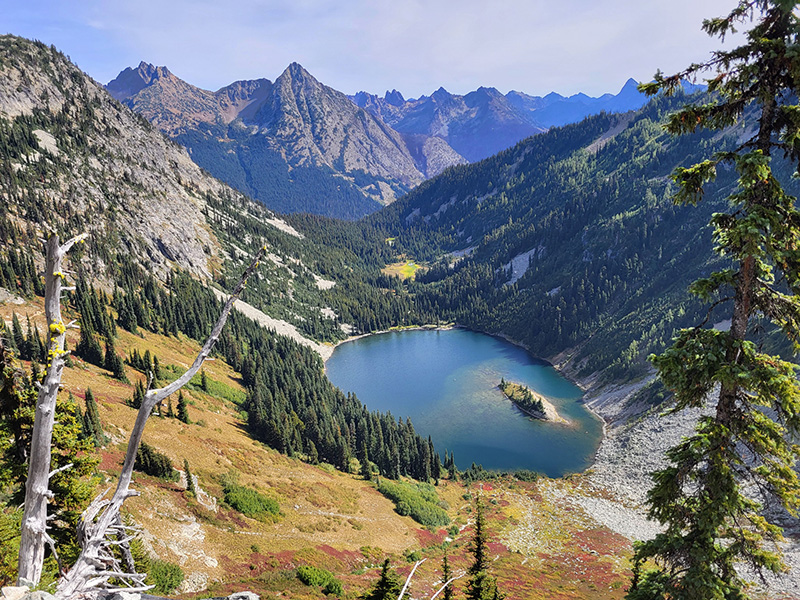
91,419
387,587
88,347
183,411
448,593
113,361
189,480
481,585
363,459
138,395
170,412
71,487
16,332
710,523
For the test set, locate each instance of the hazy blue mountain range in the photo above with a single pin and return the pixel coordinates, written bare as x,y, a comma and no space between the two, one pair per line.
477,125
485,122
300,146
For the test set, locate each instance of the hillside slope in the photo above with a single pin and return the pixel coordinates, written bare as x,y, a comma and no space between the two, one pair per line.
75,160
569,242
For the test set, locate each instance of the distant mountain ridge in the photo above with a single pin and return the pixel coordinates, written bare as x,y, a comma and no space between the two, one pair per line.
295,144
300,146
485,122
477,125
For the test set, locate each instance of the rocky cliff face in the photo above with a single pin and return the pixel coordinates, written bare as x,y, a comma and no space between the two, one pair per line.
295,144
175,106
79,161
315,124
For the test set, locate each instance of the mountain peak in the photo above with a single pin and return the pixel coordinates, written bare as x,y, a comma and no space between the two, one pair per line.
131,81
441,93
630,85
296,71
394,98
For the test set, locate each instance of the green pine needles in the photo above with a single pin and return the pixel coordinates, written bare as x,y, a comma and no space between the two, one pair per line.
710,523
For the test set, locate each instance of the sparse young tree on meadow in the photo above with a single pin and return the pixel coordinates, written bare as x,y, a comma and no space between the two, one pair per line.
481,585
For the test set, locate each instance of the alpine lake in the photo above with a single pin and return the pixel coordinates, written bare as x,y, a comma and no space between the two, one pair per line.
447,381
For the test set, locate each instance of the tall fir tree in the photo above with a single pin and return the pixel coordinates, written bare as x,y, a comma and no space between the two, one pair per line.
91,418
481,585
71,487
16,332
710,523
190,489
363,459
447,573
138,395
113,361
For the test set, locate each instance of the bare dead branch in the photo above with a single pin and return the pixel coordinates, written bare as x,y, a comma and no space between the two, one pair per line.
448,582
410,575
96,564
64,468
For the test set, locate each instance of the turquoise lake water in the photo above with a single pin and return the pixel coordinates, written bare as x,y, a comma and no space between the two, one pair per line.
446,381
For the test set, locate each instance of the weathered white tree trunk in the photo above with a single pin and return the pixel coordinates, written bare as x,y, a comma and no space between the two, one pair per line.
411,576
37,492
96,564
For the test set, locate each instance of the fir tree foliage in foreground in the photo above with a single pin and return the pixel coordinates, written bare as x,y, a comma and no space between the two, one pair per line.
72,487
711,524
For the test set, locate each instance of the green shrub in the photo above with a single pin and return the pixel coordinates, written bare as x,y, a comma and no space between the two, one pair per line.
418,501
152,462
316,576
165,576
248,501
311,575
333,588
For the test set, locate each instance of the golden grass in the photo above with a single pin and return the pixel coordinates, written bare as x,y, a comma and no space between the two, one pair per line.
405,269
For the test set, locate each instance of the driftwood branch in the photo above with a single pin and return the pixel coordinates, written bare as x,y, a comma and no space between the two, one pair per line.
97,564
439,591
34,519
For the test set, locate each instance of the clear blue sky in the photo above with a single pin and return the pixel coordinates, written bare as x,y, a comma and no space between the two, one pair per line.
415,46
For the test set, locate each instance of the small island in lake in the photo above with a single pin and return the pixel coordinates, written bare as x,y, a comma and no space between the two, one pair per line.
530,402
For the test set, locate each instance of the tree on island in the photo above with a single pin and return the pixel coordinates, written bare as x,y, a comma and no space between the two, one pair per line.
710,523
